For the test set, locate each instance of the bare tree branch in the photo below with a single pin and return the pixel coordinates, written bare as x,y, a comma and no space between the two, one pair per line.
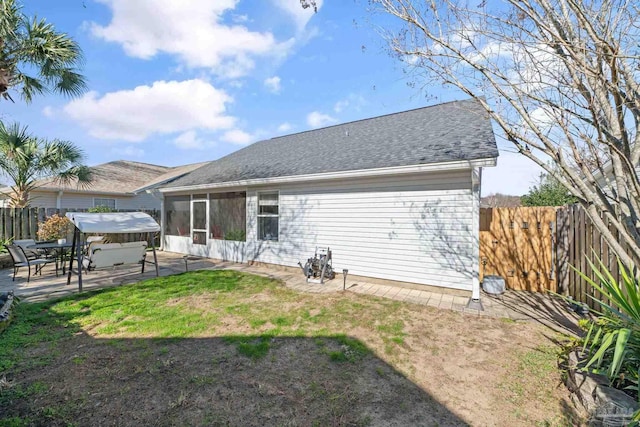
560,78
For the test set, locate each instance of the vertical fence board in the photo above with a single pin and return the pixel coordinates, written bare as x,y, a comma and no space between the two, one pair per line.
564,241
584,243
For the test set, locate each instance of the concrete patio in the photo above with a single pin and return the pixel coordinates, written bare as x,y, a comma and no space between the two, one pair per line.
514,305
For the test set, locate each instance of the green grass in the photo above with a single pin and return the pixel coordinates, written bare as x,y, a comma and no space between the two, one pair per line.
192,305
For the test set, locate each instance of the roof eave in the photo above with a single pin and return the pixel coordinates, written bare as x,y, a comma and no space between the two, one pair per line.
85,192
362,173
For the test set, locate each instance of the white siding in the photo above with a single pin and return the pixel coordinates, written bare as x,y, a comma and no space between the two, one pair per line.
416,229
143,201
43,199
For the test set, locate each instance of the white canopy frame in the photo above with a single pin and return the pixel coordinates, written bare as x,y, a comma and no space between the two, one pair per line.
109,223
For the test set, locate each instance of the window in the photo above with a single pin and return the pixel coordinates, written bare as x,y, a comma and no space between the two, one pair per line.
228,216
108,203
268,216
177,216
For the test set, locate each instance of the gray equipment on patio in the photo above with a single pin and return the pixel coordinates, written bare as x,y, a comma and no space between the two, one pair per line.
319,267
493,285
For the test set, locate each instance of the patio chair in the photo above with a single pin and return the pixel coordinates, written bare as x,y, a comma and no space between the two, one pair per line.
31,253
20,259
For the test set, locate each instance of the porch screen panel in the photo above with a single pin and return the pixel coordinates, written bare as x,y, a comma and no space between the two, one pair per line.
177,216
228,216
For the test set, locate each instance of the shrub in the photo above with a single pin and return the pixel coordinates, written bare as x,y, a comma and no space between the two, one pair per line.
237,235
613,339
3,243
54,227
100,209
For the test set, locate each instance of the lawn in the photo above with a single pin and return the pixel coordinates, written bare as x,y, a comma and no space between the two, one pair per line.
227,348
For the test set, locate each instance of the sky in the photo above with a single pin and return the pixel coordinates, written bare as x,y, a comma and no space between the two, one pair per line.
178,82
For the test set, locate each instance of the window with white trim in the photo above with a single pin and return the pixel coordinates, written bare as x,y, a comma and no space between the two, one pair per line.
109,203
268,216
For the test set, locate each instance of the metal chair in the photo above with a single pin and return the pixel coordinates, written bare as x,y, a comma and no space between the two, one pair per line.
20,259
31,253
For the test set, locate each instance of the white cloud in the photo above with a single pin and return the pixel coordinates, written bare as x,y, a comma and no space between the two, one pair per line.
163,108
48,111
273,84
544,118
239,19
299,15
191,141
284,127
238,137
354,101
192,30
316,119
128,152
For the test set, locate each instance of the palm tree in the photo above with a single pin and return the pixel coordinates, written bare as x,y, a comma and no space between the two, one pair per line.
26,159
35,58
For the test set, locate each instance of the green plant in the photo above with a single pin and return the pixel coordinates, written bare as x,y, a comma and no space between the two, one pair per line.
613,339
3,242
26,159
54,227
237,235
100,209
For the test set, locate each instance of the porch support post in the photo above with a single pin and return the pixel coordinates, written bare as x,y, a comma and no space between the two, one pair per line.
73,251
153,248
77,244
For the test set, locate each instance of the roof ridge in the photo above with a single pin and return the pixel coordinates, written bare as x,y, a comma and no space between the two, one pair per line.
132,162
369,118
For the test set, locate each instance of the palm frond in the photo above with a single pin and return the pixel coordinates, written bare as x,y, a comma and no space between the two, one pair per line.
34,46
70,83
80,175
30,86
26,159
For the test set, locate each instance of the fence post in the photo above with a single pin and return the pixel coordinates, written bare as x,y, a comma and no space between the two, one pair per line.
563,233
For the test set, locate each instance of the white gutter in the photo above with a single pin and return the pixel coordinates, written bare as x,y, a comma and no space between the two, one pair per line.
361,173
476,181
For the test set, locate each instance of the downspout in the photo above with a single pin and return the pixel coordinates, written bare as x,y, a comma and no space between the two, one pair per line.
59,200
474,301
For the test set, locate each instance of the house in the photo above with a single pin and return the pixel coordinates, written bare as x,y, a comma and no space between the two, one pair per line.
121,185
395,197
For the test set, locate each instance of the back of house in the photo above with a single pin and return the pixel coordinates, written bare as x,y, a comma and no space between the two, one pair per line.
395,197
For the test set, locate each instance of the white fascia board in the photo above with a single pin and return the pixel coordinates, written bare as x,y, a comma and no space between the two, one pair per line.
363,173
87,193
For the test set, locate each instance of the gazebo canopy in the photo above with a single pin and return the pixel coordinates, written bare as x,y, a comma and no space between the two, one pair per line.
113,222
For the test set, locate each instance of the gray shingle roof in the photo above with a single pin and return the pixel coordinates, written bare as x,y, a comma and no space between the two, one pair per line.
120,176
454,131
170,175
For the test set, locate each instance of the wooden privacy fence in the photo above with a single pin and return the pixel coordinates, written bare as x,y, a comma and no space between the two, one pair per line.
579,241
518,245
533,248
22,223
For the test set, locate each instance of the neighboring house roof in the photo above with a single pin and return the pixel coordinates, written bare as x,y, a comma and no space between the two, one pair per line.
170,175
120,176
454,131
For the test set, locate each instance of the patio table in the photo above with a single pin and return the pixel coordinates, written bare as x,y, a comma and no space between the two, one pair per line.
49,246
